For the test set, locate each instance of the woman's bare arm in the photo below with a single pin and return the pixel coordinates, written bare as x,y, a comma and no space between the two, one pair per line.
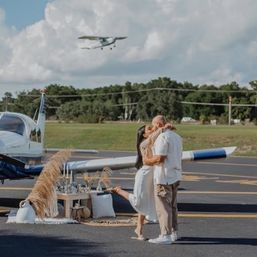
151,139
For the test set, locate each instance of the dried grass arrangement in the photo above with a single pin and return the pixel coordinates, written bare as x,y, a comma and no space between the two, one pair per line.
98,178
43,195
105,177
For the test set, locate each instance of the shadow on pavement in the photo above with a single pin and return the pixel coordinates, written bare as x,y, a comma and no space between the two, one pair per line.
216,241
209,207
31,246
121,205
10,202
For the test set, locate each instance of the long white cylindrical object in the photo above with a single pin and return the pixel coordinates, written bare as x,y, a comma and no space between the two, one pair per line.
129,161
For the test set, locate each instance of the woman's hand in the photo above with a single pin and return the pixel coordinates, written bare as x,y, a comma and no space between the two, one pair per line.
169,126
155,160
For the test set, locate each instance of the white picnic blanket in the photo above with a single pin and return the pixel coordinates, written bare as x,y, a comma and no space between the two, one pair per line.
12,219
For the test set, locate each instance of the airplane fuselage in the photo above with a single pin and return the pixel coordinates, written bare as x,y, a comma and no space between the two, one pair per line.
20,136
19,146
103,42
107,41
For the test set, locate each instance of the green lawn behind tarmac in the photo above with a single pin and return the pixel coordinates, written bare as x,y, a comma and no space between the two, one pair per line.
122,136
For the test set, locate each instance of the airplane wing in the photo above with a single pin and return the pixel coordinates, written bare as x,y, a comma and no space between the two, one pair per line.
120,38
99,38
128,162
92,37
11,168
86,47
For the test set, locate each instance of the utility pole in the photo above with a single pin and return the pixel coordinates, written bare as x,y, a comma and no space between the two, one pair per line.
229,110
6,103
255,110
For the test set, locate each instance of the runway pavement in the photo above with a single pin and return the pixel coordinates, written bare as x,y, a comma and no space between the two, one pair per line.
217,217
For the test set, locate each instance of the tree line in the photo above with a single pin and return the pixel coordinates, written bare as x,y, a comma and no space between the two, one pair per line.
140,101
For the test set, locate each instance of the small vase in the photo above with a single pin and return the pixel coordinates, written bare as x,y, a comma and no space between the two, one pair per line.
99,187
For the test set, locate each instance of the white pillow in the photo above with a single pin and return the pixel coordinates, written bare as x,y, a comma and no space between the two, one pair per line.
102,205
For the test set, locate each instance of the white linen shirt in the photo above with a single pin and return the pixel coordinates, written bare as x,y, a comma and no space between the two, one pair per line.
168,144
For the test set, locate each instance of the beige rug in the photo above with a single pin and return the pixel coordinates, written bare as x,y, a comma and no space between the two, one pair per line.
121,220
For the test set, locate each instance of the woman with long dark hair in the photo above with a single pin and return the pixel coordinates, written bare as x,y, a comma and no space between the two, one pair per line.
142,199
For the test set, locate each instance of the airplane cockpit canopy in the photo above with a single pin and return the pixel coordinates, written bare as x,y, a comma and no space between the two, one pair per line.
11,123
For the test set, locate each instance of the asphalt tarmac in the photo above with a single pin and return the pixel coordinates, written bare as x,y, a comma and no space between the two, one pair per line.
217,217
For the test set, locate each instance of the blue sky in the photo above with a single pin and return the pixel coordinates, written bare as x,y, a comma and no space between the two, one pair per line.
21,13
200,41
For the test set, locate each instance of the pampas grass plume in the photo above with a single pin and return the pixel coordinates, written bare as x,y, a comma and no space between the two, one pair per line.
43,195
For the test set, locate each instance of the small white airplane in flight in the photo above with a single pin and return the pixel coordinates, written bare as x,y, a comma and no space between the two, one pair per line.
102,41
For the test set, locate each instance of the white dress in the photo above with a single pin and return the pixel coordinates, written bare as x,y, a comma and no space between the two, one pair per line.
142,199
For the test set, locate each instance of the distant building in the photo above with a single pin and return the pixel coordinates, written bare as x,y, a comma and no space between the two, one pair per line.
236,121
187,119
213,122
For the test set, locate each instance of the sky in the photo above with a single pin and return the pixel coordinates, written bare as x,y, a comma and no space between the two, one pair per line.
200,41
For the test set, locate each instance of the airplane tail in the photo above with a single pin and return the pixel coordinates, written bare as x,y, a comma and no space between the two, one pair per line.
41,117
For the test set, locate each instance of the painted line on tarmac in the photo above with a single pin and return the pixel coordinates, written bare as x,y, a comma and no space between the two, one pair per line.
244,157
180,192
228,164
16,188
3,209
203,215
219,174
213,215
218,192
200,173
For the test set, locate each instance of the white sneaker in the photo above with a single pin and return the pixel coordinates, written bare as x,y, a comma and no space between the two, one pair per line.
162,239
174,236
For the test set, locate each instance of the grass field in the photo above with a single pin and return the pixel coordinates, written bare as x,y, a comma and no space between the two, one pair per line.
122,136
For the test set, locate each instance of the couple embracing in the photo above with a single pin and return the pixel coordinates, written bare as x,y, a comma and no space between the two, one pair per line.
157,179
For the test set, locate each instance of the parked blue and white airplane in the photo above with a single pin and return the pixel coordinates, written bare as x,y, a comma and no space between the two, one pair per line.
23,138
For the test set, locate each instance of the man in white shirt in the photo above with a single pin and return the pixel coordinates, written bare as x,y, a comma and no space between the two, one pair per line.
166,160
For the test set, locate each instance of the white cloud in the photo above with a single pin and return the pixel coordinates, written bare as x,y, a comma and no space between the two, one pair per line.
199,41
5,33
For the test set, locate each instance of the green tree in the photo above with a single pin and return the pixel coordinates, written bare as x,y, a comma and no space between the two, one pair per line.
164,103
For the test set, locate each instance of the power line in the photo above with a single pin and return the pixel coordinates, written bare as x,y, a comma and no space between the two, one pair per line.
147,90
220,104
182,102
127,104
